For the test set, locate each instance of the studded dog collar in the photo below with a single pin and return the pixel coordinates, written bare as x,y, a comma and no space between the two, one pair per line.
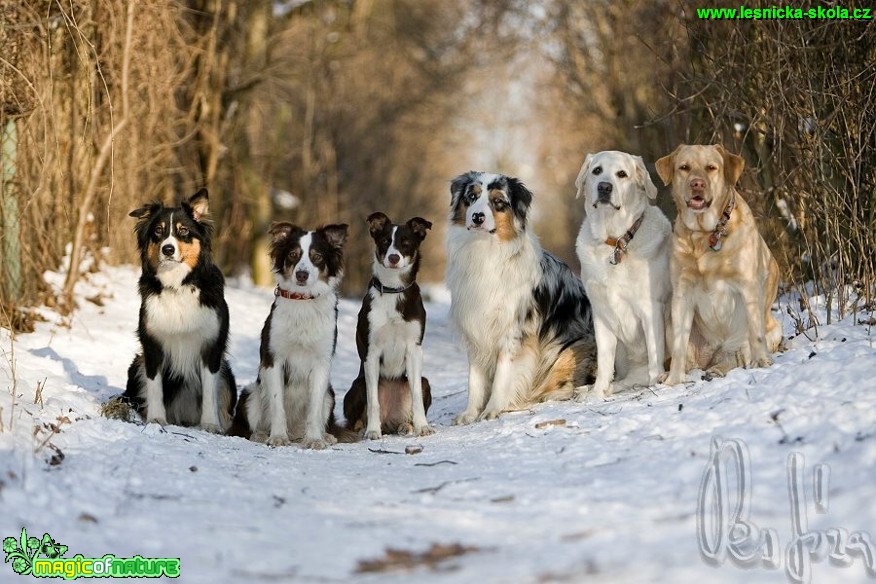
292,295
721,228
620,244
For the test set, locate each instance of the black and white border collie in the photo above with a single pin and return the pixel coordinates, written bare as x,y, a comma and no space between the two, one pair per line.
292,399
390,395
182,376
523,315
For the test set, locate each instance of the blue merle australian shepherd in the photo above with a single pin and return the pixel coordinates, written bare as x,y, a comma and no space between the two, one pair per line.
181,377
522,314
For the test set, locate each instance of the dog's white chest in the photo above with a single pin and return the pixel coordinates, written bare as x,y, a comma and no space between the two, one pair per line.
390,334
178,312
303,333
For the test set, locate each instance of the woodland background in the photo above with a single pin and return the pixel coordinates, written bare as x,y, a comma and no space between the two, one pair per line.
326,110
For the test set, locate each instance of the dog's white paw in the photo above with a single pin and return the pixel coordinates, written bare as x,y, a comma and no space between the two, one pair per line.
330,439
466,417
761,363
212,428
278,441
426,430
670,379
160,421
489,415
373,434
259,437
315,443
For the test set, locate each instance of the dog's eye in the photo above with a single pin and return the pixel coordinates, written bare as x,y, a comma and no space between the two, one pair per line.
711,167
622,174
159,230
294,255
183,231
315,256
386,241
499,204
684,167
597,171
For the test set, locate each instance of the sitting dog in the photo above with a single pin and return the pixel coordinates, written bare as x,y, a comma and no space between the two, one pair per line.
523,315
182,376
292,399
389,337
623,247
724,277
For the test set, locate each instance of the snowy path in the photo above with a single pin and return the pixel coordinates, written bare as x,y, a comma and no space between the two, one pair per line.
604,493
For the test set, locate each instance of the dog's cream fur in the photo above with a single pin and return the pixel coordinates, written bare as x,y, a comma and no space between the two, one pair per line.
629,299
721,299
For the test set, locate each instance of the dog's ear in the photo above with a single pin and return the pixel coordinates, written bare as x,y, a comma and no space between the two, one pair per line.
377,222
199,205
733,165
281,231
643,179
666,167
419,226
582,176
336,235
145,211
521,197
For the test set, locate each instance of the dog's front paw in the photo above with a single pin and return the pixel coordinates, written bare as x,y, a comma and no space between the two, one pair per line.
278,441
489,415
211,428
670,379
405,429
466,417
315,443
330,439
761,363
373,434
426,430
259,437
162,421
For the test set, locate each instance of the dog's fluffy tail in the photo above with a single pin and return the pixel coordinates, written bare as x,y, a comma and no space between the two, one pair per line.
344,435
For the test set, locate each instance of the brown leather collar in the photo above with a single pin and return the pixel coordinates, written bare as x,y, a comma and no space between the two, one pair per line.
721,228
292,295
620,244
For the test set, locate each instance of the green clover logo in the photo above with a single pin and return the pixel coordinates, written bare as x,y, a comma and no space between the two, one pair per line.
24,551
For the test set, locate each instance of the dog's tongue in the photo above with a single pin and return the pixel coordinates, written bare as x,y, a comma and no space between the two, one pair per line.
697,203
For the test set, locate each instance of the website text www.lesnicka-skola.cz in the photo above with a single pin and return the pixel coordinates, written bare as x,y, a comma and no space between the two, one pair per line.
785,13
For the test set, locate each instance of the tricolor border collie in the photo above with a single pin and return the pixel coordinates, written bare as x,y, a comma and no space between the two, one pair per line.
523,315
390,395
292,400
182,376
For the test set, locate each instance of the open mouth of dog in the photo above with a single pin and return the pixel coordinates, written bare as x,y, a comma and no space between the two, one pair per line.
698,203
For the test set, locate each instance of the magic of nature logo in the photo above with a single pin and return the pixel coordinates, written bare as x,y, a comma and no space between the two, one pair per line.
44,558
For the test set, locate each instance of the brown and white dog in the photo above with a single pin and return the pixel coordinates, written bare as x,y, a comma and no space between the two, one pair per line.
292,399
724,277
390,394
623,247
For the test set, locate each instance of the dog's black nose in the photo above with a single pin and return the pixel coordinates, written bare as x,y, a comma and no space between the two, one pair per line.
167,250
301,276
478,218
603,190
394,259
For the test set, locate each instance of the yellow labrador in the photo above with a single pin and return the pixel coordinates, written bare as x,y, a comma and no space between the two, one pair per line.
723,275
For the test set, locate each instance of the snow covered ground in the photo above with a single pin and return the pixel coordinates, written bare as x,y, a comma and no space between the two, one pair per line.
562,493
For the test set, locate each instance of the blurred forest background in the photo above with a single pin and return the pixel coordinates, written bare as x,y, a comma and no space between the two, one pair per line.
322,111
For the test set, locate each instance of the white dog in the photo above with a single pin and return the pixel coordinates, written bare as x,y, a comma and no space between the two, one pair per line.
623,247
